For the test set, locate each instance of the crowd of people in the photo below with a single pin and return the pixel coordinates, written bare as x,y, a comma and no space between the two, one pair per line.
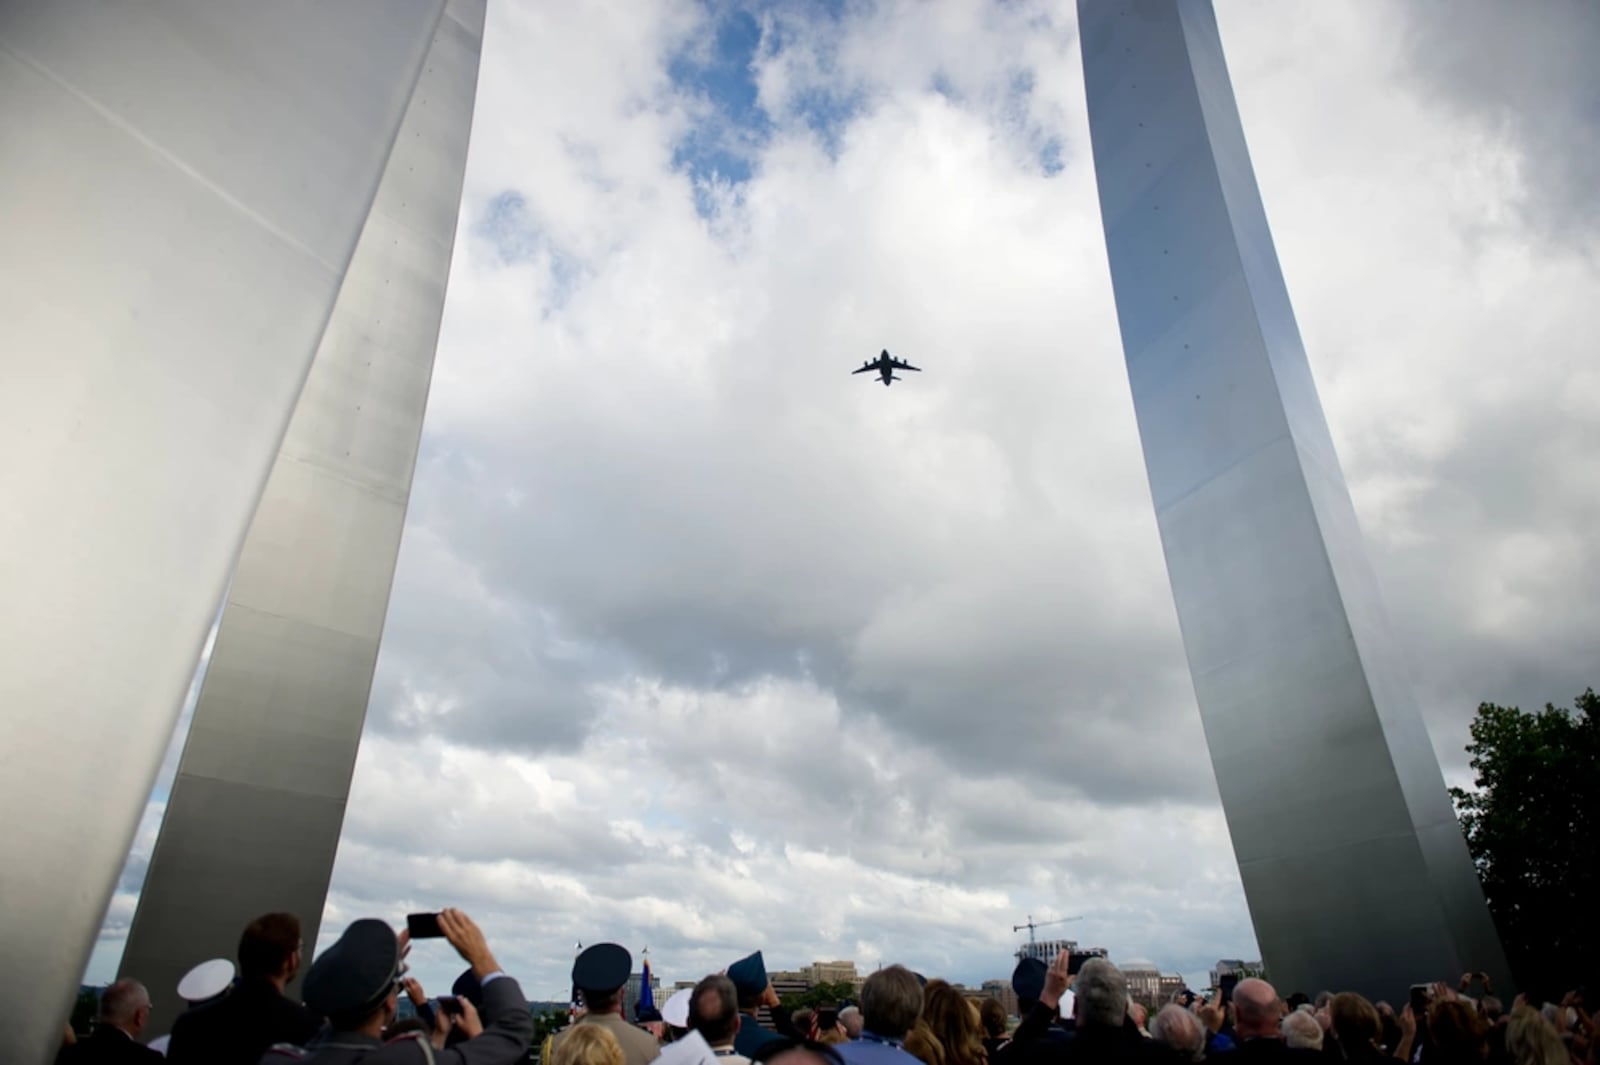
349,1012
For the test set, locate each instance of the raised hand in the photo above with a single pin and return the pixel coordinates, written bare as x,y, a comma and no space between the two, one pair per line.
1057,979
470,1022
468,940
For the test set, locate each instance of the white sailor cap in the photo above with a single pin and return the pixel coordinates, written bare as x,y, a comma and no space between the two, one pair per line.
675,1011
206,980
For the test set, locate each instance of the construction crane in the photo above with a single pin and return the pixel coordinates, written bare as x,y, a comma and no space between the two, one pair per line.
1032,924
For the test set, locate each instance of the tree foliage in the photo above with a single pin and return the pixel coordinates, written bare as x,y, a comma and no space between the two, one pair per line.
548,1022
1530,824
821,994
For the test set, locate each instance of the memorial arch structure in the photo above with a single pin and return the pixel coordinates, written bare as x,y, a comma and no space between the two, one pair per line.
227,230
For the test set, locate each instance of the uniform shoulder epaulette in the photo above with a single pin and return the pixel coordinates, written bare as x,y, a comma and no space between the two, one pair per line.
420,1038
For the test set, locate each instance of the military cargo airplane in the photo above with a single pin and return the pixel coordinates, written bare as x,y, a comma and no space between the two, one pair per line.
885,366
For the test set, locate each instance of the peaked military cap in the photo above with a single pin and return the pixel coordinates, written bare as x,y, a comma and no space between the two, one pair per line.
602,967
1027,979
356,973
749,974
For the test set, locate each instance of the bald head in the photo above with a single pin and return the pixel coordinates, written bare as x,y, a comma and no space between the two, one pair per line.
126,1005
1256,1010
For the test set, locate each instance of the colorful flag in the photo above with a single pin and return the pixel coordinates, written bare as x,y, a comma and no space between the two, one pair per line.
647,998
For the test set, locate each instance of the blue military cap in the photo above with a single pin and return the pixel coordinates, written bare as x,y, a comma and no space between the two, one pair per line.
1027,979
602,967
749,974
356,974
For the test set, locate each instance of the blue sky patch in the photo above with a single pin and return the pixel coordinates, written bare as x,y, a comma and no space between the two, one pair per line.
724,146
508,228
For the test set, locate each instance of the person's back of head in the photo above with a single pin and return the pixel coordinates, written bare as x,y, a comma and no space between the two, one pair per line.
993,1017
951,1019
1532,1040
587,1044
891,1002
269,948
1100,995
1256,1010
1455,1033
125,1005
1181,1030
1491,1008
850,1017
714,1010
1302,1030
1354,1022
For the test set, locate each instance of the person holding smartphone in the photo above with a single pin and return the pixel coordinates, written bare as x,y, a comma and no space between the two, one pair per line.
357,983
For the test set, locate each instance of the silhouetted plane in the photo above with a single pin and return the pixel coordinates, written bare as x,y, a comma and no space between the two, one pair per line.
885,367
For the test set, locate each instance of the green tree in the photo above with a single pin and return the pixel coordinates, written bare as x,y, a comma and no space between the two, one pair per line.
821,994
1530,824
548,1022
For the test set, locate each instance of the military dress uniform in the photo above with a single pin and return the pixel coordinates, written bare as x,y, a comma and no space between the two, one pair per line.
603,969
749,976
359,972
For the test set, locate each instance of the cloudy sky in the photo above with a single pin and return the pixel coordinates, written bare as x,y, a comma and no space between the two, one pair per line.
698,643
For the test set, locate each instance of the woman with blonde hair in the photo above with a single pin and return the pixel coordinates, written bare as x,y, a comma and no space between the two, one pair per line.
587,1044
954,1023
1532,1040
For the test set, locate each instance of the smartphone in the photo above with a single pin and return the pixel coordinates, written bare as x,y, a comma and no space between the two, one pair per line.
451,1006
1226,983
424,926
1419,1000
826,1018
1076,962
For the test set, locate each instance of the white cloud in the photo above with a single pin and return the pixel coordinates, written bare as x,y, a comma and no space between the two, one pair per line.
698,643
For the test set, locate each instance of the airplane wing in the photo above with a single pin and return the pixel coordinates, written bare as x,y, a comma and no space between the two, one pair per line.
901,364
869,368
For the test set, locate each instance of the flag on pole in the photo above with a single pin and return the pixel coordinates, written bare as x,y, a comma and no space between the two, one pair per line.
647,998
572,1010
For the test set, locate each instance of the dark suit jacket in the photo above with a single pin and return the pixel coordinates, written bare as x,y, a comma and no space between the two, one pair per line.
238,1029
1094,1044
751,1036
108,1046
507,1033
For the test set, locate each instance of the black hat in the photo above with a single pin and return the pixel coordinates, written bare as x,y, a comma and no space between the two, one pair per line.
355,974
467,987
602,967
1027,979
648,1014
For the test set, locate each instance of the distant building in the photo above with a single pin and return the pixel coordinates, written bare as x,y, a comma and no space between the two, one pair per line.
1144,982
831,972
1001,991
1171,985
1244,970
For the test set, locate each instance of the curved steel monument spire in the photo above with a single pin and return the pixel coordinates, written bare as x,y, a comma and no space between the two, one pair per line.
1353,865
227,227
